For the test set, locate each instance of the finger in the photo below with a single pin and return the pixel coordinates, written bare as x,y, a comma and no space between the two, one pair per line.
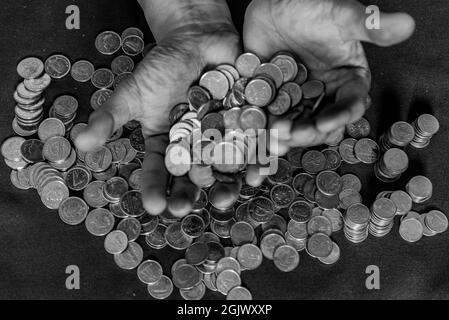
155,176
255,175
351,104
111,116
224,195
370,25
183,195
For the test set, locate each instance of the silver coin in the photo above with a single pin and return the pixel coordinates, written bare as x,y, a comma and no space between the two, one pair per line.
57,66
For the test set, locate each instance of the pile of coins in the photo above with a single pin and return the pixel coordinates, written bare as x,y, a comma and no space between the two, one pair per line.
399,135
29,96
426,126
298,208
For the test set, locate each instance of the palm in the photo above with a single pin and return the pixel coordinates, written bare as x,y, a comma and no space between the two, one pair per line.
169,69
313,30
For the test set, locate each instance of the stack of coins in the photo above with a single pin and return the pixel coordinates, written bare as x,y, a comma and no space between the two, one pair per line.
391,165
64,108
399,135
29,96
420,189
383,212
356,223
426,126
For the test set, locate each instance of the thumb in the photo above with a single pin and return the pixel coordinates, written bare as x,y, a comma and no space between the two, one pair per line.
369,24
112,115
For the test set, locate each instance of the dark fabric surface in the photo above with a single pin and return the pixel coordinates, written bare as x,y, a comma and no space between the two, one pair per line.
409,79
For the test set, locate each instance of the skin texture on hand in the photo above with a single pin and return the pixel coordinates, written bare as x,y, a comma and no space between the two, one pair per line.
325,35
191,35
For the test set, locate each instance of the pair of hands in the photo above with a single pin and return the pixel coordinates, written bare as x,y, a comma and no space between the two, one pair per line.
325,34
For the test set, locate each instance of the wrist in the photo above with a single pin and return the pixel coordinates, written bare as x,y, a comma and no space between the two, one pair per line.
165,17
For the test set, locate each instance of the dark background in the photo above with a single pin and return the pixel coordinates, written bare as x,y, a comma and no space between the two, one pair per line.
409,79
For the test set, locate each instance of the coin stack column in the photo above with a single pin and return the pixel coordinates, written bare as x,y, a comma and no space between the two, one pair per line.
426,126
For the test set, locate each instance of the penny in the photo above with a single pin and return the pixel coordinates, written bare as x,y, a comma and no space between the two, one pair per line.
176,238
11,148
359,129
93,194
402,201
269,243
329,183
73,211
99,222
31,150
297,230
222,229
102,78
57,66
259,92
177,112
420,189
133,45
193,226
281,104
294,156
156,239
300,181
227,280
161,289
131,227
23,92
367,151
195,293
313,89
249,256
335,217
313,162
30,68
242,233
300,211
53,194
436,221
310,190
283,171
246,64
347,152
333,159
131,204
282,195
261,209
38,84
51,127
56,149
351,181
349,197
286,258
320,245
82,71
15,181
108,42
186,277
333,257
228,263
197,253
122,64
149,272
118,151
216,83
130,258
273,71
288,66
116,242
99,160
239,294
411,230
253,118
121,78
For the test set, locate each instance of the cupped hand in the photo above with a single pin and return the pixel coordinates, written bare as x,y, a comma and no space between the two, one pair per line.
160,82
326,36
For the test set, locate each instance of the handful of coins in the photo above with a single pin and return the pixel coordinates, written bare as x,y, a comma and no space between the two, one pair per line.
298,208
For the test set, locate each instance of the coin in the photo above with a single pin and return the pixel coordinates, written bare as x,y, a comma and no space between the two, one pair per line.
193,226
11,148
269,243
100,97
131,227
347,151
197,253
156,239
51,127
402,201
335,217
161,289
53,194
227,280
30,68
121,78
133,45
102,78
281,104
122,64
82,71
186,277
73,211
300,211
195,293
242,233
333,159
37,84
31,150
320,245
228,263
313,162
116,242
118,151
176,238
93,194
367,151
286,258
130,258
239,293
411,230
99,160
108,42
351,181
359,129
216,83
333,257
177,112
282,195
436,221
57,66
149,272
253,118
249,256
329,183
261,209
178,160
420,189
56,149
259,92
131,204
313,89
99,222
273,71
247,64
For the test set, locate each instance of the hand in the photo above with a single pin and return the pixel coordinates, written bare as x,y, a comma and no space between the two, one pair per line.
325,35
190,35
